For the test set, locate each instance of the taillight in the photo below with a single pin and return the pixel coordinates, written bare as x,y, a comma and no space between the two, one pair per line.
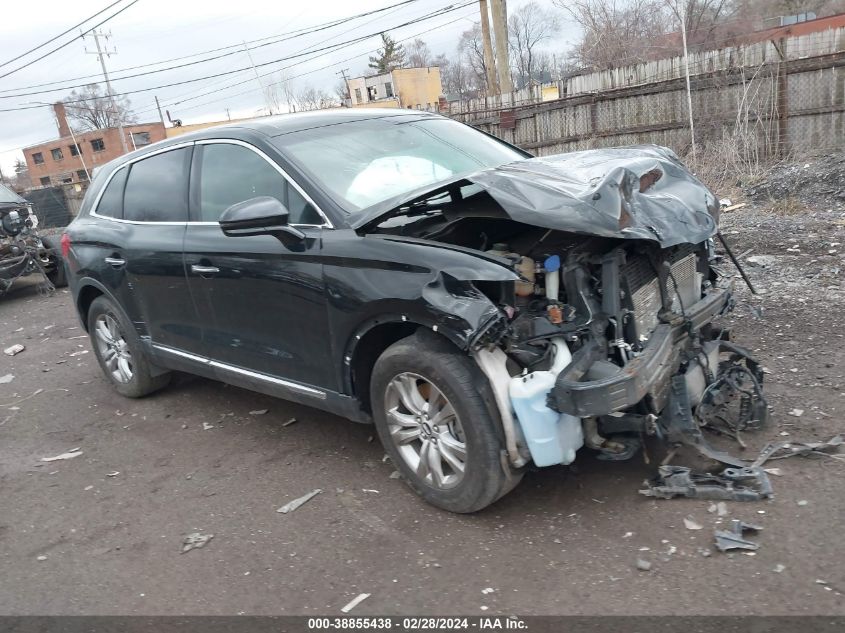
65,245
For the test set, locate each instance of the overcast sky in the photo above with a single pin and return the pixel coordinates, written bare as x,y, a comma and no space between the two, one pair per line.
161,30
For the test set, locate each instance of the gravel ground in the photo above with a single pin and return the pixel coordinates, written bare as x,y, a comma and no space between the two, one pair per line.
101,533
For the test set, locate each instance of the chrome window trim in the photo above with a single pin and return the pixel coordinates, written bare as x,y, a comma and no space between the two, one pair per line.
126,166
293,386
229,141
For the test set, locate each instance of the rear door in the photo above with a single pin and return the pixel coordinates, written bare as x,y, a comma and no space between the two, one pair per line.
155,208
261,299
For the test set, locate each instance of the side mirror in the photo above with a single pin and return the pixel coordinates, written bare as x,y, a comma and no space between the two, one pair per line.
258,216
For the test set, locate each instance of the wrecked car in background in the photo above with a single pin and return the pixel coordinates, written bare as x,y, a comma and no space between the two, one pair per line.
22,250
485,309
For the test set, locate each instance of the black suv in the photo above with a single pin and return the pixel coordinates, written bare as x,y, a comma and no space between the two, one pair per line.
485,309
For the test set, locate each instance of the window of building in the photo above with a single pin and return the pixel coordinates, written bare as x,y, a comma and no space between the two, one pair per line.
57,153
65,178
45,181
139,139
388,89
232,174
111,202
157,188
81,175
75,150
38,158
357,100
97,145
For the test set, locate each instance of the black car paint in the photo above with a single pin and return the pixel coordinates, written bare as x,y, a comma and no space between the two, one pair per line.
284,316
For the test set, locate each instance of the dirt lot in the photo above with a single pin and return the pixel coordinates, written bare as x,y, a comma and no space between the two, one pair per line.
76,540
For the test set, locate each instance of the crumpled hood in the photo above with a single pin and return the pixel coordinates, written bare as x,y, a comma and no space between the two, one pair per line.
638,192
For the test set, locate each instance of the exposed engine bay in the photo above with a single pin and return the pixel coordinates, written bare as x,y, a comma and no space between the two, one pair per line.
602,340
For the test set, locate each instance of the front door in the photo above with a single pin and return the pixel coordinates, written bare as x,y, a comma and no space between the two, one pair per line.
260,299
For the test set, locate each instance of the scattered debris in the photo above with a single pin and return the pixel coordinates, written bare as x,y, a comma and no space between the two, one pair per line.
691,524
721,509
488,590
259,412
370,490
796,413
195,540
74,452
774,471
41,558
4,380
293,505
355,602
87,488
733,538
643,565
628,535
802,502
782,450
705,552
679,481
114,473
289,422
17,348
395,475
79,353
207,426
779,568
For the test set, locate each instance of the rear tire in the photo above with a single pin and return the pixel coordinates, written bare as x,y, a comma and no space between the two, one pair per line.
119,351
57,276
434,424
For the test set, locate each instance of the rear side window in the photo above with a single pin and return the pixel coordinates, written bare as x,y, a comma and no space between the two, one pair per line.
157,188
231,173
111,202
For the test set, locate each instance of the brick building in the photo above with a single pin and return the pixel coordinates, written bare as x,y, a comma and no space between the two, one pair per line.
60,161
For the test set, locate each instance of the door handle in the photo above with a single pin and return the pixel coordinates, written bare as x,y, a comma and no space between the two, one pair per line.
117,262
204,270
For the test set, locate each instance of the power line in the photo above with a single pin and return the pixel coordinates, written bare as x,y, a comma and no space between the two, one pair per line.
353,41
60,47
238,48
53,39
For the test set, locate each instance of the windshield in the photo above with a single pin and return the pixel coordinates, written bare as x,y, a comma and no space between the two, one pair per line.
361,163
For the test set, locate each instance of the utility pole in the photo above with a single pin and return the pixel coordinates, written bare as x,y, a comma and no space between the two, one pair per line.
500,32
342,72
160,116
258,79
102,56
489,60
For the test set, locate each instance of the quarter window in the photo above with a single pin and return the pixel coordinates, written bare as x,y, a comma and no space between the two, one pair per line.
111,202
231,173
157,188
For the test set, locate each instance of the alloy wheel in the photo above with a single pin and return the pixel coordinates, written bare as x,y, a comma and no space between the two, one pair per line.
113,348
426,430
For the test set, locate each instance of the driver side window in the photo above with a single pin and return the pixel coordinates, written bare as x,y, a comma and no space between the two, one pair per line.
232,173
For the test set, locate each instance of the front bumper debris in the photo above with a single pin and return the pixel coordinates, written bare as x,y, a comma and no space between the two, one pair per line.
750,483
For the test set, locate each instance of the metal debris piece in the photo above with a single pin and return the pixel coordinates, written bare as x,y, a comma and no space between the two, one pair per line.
679,481
733,538
782,450
74,452
195,540
643,565
289,422
259,412
355,602
17,348
4,380
690,524
293,505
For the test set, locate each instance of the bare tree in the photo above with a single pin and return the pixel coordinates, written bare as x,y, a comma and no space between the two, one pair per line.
702,20
471,52
280,92
528,27
22,179
311,98
418,54
90,108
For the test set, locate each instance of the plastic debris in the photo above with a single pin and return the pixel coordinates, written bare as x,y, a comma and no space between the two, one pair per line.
289,422
114,473
41,558
802,502
4,380
207,426
395,475
774,471
259,412
355,602
643,565
374,491
721,508
195,540
17,348
628,535
691,524
779,568
487,590
796,413
293,505
734,538
74,452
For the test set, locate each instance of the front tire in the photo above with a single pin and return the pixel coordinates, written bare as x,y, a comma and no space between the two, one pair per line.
119,352
434,423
